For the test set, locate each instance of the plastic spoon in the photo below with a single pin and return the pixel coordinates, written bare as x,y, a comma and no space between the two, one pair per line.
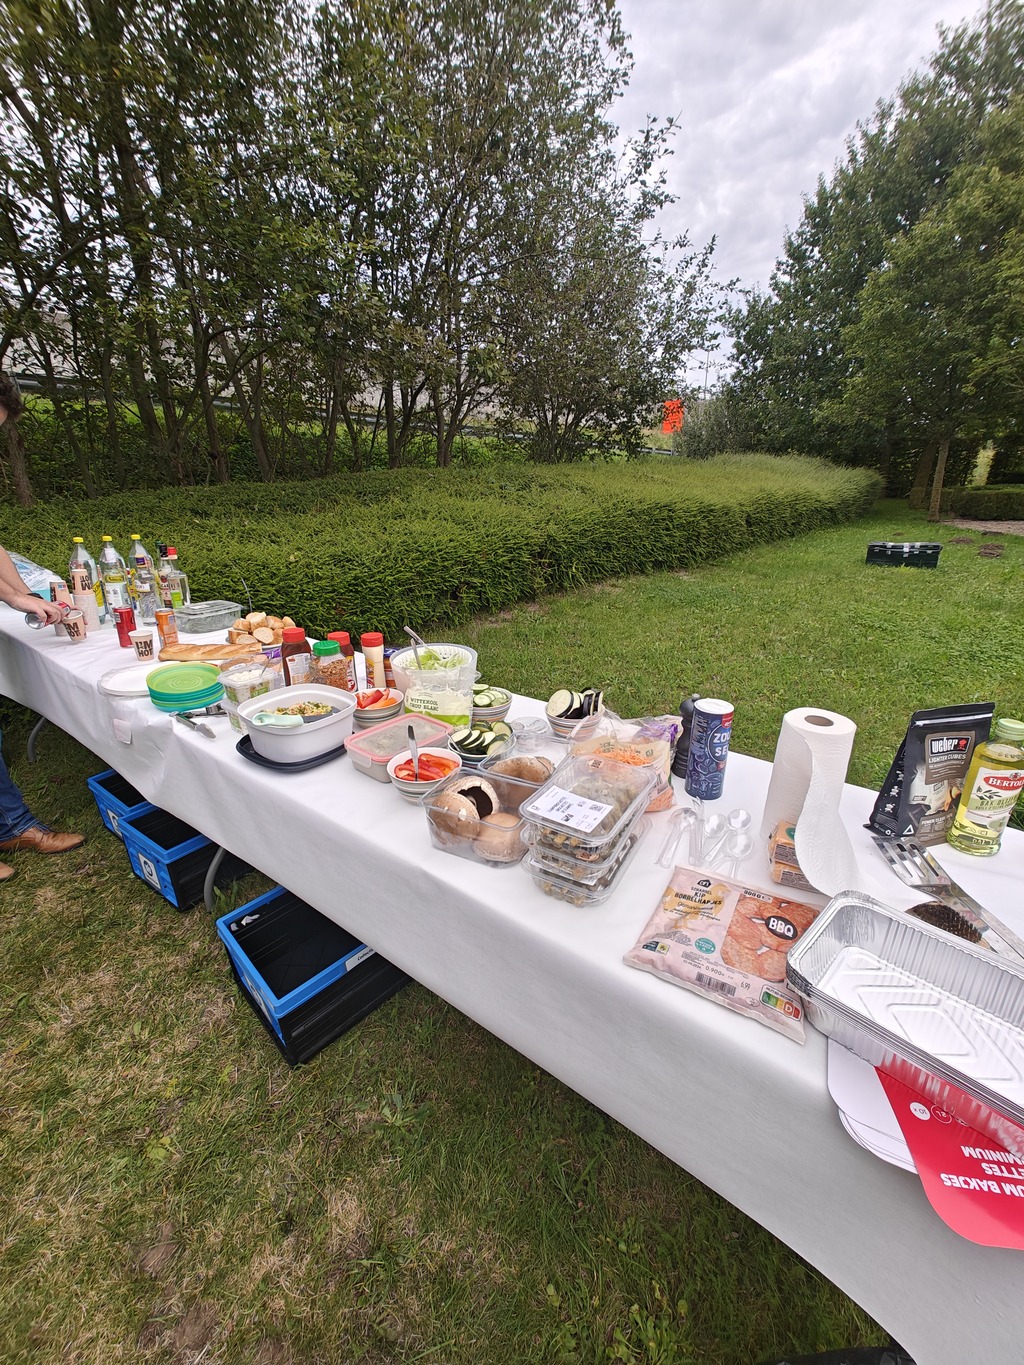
716,830
682,819
414,751
739,847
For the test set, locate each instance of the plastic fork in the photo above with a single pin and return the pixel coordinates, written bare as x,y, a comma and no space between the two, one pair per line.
916,868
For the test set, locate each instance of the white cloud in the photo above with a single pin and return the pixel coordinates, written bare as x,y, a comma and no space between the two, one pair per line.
767,92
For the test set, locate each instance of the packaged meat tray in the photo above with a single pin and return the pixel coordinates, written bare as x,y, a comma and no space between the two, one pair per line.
727,942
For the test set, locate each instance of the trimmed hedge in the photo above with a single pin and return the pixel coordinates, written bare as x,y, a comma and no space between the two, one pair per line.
432,548
1004,502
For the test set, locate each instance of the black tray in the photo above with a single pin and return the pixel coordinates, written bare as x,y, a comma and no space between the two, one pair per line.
244,747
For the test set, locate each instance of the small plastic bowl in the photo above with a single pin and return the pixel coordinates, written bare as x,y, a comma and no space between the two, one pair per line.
412,791
363,718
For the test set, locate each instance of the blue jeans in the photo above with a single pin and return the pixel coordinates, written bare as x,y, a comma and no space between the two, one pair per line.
15,816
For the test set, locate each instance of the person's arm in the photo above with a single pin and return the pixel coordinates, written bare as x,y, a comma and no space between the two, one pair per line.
14,592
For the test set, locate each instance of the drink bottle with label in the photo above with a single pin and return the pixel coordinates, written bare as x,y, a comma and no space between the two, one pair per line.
81,559
114,576
174,587
146,591
995,780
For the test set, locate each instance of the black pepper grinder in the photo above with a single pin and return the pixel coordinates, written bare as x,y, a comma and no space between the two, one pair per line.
682,750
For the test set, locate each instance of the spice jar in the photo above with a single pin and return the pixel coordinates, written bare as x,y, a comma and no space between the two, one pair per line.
296,655
349,655
330,667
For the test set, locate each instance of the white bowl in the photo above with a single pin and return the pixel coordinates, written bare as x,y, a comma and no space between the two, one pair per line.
412,791
294,744
404,659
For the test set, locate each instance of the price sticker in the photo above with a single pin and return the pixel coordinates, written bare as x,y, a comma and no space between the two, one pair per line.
566,808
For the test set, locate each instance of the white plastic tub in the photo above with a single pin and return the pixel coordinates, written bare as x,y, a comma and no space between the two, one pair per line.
309,740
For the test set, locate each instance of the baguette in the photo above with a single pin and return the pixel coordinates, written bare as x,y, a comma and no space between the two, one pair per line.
182,654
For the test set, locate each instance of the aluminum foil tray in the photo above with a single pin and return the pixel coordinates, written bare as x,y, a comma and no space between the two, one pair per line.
940,1014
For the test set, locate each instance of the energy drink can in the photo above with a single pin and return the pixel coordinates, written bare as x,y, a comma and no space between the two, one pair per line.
167,627
124,620
709,748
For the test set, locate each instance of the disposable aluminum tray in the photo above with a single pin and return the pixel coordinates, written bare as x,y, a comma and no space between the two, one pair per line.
940,1014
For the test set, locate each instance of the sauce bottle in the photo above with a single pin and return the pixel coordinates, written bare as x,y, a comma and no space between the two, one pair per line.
344,642
994,781
373,658
296,656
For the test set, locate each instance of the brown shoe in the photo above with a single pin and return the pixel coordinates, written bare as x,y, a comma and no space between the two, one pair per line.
5,872
42,841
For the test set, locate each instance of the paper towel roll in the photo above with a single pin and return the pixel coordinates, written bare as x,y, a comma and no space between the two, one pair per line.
811,759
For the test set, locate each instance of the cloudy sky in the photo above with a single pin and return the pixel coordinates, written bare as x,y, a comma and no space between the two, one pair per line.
767,92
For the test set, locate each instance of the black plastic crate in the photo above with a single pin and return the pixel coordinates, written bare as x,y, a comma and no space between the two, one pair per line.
116,798
339,1007
173,858
915,554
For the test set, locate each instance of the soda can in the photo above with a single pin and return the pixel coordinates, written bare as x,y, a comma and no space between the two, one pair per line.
709,748
167,626
36,622
124,620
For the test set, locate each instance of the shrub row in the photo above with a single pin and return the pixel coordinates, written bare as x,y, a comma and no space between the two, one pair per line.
1004,502
434,548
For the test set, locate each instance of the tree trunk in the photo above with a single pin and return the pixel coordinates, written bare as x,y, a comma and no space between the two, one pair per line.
217,456
19,470
935,507
922,475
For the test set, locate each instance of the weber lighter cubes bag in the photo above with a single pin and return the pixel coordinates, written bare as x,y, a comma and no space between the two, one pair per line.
919,798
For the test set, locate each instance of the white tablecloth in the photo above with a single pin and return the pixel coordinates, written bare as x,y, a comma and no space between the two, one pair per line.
742,1108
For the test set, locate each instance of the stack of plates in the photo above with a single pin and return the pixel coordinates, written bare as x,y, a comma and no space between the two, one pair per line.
864,1109
184,687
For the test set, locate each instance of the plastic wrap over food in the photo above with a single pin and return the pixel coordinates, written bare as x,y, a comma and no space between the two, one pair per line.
727,942
647,742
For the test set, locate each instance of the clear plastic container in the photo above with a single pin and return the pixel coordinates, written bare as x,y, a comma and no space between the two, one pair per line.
586,804
575,892
372,748
586,874
465,827
243,681
193,618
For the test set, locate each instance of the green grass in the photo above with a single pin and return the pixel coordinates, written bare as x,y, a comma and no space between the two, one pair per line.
173,1193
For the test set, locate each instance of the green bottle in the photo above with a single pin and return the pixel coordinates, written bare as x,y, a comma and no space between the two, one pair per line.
995,780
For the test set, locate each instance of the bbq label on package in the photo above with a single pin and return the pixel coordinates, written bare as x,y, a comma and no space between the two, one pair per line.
947,756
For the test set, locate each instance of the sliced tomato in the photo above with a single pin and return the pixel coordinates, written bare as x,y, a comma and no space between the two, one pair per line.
432,768
365,699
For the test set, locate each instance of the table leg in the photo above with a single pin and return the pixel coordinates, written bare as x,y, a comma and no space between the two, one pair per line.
211,877
31,746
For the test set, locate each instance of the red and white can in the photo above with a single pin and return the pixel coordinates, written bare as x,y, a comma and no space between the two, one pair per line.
124,620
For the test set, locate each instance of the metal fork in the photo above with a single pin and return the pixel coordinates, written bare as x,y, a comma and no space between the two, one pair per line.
916,867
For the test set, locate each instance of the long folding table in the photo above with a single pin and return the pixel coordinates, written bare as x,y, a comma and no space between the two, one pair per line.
742,1108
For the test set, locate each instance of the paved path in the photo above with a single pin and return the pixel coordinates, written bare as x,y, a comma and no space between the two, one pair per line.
990,528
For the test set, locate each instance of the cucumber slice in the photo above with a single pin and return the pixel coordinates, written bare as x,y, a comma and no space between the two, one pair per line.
498,745
501,727
459,737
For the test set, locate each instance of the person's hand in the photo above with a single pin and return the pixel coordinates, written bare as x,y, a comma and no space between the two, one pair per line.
50,612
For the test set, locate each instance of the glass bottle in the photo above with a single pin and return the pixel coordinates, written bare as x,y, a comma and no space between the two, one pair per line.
114,577
994,781
175,591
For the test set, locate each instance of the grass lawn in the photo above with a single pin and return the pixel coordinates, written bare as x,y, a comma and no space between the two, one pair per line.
420,1193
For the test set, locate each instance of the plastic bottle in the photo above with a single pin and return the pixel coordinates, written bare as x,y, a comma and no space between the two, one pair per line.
82,559
296,655
175,589
344,642
994,781
114,577
373,658
138,550
146,590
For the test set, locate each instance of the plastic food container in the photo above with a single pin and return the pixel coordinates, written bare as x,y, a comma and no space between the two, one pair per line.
196,617
585,874
458,813
243,681
371,749
575,892
942,1015
412,790
404,660
311,738
586,805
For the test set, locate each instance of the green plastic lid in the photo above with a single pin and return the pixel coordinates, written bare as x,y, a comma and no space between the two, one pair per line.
1010,730
322,648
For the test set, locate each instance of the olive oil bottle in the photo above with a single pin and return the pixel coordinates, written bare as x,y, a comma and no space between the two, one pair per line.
994,782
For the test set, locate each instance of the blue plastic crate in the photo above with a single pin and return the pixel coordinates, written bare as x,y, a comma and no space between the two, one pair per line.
287,953
173,858
116,798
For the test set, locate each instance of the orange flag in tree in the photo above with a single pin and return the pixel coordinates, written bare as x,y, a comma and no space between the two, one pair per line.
673,420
